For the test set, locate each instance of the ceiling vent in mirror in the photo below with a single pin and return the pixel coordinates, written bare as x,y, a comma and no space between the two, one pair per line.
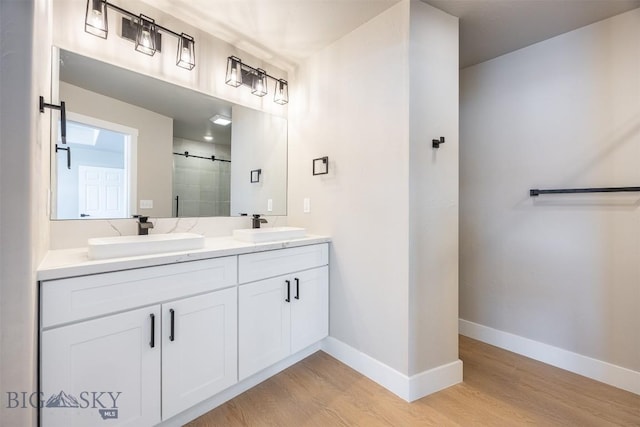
239,73
221,120
140,29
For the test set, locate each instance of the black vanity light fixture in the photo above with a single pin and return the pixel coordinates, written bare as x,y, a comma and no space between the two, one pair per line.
95,20
145,34
239,73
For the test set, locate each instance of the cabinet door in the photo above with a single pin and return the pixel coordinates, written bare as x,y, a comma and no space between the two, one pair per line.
199,349
309,307
103,369
264,325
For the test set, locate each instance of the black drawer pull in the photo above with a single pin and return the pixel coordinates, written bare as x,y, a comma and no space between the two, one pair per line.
172,336
288,291
297,288
152,343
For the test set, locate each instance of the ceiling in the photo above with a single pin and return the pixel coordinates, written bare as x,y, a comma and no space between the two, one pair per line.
490,28
284,32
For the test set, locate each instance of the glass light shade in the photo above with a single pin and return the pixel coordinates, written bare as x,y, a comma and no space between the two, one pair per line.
95,19
282,92
186,52
146,35
234,71
259,83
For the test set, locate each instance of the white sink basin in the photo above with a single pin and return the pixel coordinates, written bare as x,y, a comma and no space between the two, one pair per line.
123,246
268,234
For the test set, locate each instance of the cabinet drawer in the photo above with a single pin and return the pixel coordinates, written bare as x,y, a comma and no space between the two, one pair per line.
77,298
267,264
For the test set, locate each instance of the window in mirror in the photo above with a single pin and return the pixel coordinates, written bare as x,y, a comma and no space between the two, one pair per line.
97,184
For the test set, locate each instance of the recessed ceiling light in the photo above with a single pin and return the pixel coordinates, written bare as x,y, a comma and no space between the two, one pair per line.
208,138
220,120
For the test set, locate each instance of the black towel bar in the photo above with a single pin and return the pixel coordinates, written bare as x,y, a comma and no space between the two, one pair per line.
536,192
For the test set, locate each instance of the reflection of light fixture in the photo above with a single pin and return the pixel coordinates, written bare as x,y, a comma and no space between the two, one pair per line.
220,120
186,55
234,71
259,83
208,138
147,31
282,92
146,35
239,74
95,21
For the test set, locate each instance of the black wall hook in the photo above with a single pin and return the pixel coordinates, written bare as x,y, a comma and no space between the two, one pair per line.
436,142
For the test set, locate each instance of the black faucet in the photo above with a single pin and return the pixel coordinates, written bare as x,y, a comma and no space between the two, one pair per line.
143,225
256,221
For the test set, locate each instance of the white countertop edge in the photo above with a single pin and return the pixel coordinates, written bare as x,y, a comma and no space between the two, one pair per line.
62,263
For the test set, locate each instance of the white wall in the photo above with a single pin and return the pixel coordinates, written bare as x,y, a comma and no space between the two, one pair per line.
433,211
155,142
560,270
24,40
350,102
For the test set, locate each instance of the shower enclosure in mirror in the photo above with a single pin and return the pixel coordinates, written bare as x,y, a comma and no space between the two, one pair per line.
140,145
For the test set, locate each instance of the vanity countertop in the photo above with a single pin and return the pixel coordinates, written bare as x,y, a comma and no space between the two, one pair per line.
63,263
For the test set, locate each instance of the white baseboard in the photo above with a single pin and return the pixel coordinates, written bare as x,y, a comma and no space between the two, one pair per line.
598,370
405,387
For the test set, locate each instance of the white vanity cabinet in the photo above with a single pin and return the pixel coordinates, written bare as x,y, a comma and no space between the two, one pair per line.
281,315
145,345
156,361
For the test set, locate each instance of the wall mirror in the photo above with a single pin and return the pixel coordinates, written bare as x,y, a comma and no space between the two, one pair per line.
140,145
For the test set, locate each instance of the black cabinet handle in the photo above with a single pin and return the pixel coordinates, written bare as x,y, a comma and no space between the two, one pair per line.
288,291
152,343
172,336
297,288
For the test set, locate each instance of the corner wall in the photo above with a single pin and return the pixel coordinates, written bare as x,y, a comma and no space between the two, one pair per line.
372,102
350,102
561,270
433,211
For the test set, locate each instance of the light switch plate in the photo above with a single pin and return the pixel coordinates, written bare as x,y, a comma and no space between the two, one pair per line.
306,205
146,204
269,205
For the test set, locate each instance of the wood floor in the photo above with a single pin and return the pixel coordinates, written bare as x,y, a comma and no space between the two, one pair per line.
499,389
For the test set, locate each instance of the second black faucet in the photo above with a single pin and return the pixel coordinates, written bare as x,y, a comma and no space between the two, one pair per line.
256,221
